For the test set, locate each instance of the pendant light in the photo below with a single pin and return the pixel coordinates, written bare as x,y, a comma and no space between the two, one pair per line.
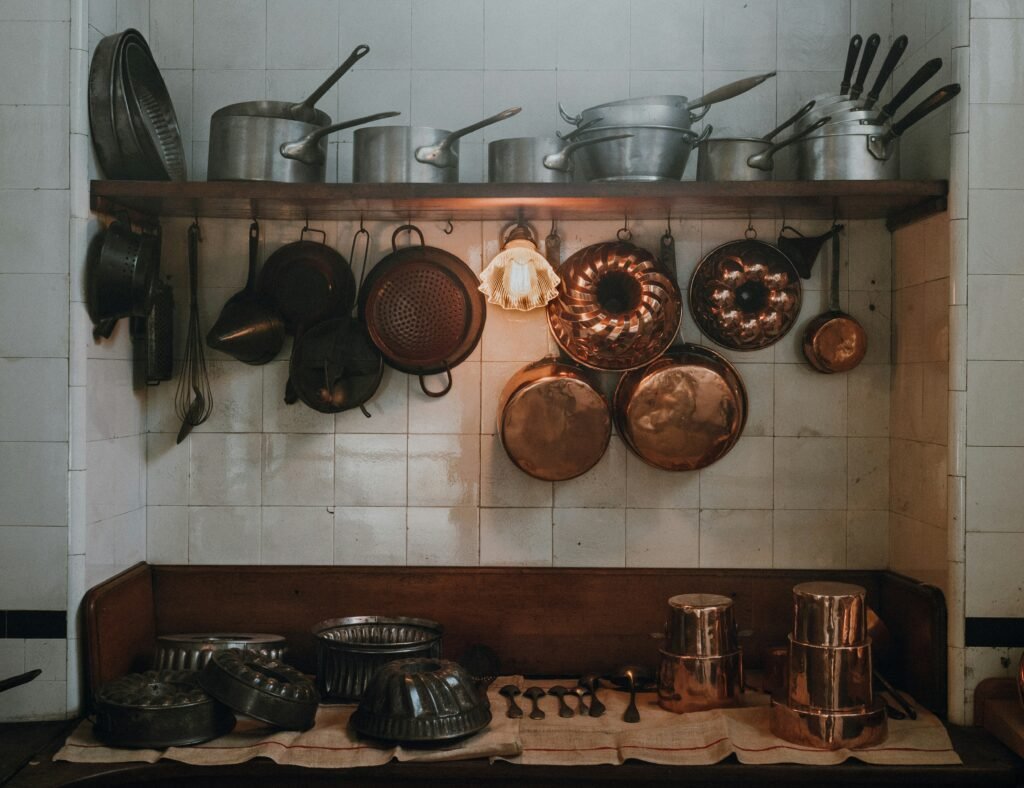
519,277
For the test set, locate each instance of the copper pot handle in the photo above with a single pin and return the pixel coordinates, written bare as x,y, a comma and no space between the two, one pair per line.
403,229
442,392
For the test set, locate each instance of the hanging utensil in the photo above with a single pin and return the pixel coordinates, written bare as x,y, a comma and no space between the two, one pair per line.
193,399
121,274
248,328
802,250
835,341
158,336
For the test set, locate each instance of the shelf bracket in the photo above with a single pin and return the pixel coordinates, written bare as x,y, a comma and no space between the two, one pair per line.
915,213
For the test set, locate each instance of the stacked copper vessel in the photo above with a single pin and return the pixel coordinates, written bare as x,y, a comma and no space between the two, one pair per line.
829,702
701,663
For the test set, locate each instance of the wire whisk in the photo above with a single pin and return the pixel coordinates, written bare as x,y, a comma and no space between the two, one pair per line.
193,398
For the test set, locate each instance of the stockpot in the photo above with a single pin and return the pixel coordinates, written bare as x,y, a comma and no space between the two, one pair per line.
412,154
645,153
536,159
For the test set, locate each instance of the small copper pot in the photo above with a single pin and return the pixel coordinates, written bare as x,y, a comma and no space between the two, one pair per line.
682,412
834,341
553,420
829,614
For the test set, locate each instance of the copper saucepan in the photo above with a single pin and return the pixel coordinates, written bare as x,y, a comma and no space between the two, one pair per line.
684,411
553,420
834,341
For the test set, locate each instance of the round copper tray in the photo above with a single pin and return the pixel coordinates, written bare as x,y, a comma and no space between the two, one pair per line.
745,295
684,411
617,307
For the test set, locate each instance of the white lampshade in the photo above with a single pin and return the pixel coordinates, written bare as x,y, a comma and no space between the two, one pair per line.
519,277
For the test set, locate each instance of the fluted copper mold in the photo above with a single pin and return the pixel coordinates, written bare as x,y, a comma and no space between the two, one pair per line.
745,295
553,420
682,412
617,308
350,650
158,709
829,614
700,625
191,651
420,701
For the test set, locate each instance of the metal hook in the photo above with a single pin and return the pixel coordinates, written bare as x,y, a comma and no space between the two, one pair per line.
624,233
198,229
449,229
750,233
668,223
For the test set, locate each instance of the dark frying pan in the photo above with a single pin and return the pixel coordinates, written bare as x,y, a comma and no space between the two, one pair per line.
307,282
423,310
745,295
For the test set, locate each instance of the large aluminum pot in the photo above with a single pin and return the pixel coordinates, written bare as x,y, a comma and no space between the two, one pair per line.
553,420
536,159
412,154
862,153
649,153
257,147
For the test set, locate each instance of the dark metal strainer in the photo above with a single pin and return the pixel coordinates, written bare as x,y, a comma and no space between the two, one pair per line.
423,310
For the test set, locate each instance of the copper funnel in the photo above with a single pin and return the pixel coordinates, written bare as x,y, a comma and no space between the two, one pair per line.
803,249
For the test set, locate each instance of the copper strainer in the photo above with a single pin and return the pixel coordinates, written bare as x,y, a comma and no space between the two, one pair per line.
423,310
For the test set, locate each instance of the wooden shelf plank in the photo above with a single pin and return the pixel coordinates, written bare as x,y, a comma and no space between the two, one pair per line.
484,201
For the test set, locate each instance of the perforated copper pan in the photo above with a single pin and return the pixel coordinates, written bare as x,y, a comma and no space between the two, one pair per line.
423,310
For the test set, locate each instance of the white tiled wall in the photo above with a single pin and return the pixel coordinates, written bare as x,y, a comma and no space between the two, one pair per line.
425,481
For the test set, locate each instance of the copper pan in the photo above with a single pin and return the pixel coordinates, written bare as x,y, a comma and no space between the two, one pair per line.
684,411
553,420
834,341
745,295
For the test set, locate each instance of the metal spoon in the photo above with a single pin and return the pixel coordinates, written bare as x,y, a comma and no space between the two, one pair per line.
591,682
535,694
581,693
560,692
630,677
510,691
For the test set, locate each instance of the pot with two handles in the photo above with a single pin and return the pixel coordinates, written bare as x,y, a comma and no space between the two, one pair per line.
536,159
278,140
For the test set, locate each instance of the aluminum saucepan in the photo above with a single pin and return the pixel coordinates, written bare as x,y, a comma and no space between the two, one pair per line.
646,153
536,159
662,110
869,153
413,154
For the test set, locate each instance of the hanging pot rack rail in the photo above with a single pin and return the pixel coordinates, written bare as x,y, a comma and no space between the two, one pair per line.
899,202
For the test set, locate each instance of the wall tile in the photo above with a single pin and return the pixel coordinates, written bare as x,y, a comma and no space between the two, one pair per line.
652,488
115,409
515,537
987,336
494,375
167,534
298,470
33,487
917,549
515,336
993,387
534,91
224,470
760,382
170,34
872,15
503,484
443,536
34,227
602,485
741,479
749,115
993,496
448,100
117,483
296,535
36,397
440,44
997,224
224,534
458,412
810,473
237,400
741,34
385,25
213,89
370,470
24,552
231,35
444,470
513,39
868,473
580,89
811,404
994,161
869,246
811,33
666,34
42,160
918,481
280,417
589,537
662,537
32,10
993,574
867,391
809,539
736,538
133,13
308,39
368,92
40,700
581,23
34,58
167,462
867,540
994,54
369,535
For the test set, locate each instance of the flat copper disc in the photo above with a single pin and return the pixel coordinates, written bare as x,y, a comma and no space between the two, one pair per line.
556,427
684,411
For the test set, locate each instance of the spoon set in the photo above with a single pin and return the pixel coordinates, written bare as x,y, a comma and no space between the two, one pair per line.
632,678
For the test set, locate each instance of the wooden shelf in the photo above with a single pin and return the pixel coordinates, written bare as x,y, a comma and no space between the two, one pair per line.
899,202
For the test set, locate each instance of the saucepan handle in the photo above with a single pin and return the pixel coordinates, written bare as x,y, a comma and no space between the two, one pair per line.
442,392
307,150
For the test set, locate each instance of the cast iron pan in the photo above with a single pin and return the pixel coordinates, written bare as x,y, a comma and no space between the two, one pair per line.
423,310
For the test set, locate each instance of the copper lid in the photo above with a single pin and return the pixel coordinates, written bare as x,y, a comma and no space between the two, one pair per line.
700,625
554,423
829,614
684,411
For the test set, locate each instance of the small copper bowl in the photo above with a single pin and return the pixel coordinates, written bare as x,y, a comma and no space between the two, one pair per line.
829,614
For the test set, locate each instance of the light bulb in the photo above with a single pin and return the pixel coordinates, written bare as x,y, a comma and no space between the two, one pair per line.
519,277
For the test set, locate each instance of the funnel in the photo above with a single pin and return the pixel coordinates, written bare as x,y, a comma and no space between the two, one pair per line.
803,249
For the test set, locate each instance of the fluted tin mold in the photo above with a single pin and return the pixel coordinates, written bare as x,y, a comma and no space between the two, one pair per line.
829,614
350,650
420,701
191,651
158,709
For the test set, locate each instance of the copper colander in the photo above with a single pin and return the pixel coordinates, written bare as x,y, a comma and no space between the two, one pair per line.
617,307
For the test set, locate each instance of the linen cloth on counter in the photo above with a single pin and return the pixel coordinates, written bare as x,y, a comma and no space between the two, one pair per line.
661,737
